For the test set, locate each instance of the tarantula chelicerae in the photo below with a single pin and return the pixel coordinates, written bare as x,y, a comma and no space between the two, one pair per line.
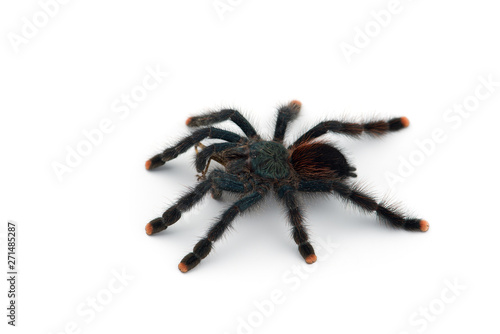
254,166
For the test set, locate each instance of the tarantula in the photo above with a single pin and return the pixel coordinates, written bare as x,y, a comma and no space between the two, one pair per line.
254,166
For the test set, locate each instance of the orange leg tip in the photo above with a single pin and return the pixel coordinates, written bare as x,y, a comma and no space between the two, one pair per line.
297,103
424,226
311,259
405,121
188,121
148,164
183,268
149,229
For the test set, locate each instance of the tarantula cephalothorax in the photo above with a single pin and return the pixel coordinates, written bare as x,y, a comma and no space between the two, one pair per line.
254,166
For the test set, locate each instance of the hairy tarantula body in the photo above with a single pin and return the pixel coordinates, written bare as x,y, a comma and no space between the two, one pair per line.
253,167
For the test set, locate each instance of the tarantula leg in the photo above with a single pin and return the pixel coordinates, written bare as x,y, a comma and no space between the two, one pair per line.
216,193
353,194
374,128
188,142
207,155
286,114
296,220
204,246
174,213
217,178
209,152
221,116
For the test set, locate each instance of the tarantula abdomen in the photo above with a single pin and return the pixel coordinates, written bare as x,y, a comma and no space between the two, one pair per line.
318,160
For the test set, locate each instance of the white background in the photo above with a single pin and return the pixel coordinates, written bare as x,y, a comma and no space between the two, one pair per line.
76,232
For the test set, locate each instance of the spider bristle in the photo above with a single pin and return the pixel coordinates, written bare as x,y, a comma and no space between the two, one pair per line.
391,213
376,128
361,198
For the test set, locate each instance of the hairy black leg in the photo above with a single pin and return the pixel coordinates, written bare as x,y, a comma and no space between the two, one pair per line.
354,194
188,142
296,219
218,179
203,156
375,128
204,246
220,116
216,193
286,114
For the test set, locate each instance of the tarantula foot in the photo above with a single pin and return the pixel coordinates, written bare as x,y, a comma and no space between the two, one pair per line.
311,259
295,104
416,225
154,162
155,226
398,123
405,122
307,252
424,225
189,262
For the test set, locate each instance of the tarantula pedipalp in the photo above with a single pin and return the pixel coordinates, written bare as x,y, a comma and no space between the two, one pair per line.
254,166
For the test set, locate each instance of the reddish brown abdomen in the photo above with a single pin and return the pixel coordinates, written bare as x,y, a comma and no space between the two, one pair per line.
319,161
